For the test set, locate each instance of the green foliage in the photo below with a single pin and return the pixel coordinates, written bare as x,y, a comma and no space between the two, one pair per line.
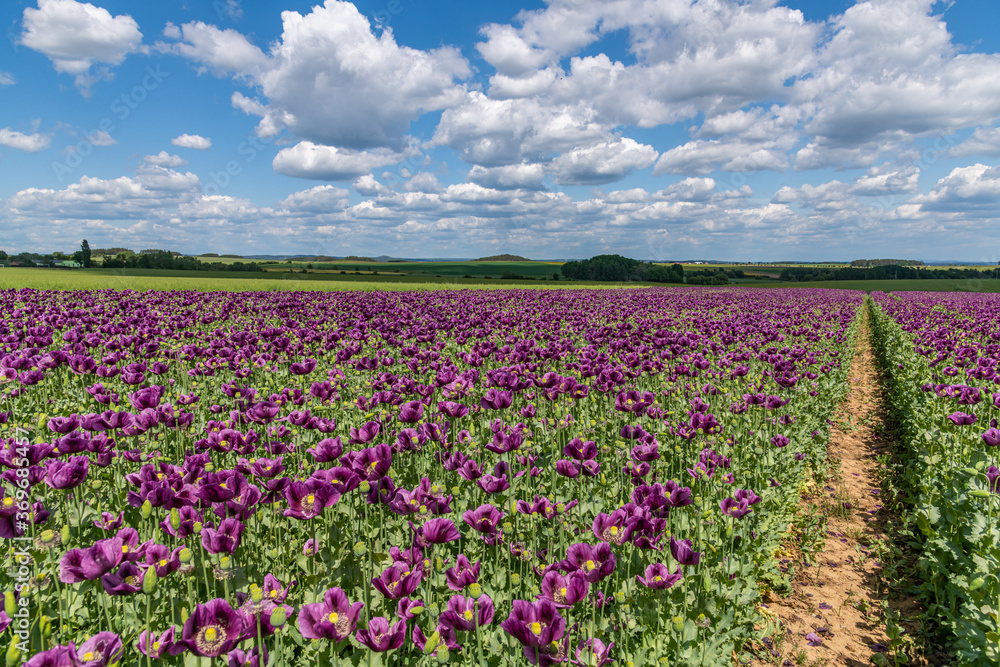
502,258
165,260
865,263
616,268
881,272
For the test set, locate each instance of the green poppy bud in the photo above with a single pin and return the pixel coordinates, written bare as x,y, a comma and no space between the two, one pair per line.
360,549
209,467
149,581
364,486
225,562
13,655
456,490
256,594
620,597
977,583
979,493
438,563
9,603
175,518
185,555
970,471
443,656
64,533
273,553
197,527
279,617
432,643
475,590
146,509
45,626
678,623
515,579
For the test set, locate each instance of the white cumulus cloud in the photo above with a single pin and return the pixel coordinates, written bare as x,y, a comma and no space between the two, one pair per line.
195,141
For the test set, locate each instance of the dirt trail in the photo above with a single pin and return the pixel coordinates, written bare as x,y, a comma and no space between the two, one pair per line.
837,598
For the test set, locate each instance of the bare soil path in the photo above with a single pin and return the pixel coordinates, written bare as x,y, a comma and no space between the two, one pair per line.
835,614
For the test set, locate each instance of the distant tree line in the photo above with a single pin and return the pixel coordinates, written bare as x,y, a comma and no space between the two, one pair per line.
615,268
888,272
868,263
162,259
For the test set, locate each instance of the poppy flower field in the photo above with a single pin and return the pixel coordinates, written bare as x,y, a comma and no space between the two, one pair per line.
399,478
941,353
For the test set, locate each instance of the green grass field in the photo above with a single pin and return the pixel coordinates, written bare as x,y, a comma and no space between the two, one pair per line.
155,279
932,285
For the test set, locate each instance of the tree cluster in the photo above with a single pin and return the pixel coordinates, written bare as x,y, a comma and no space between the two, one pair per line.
615,268
868,263
166,260
889,272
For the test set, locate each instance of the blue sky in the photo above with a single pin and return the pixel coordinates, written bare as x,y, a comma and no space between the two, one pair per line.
662,129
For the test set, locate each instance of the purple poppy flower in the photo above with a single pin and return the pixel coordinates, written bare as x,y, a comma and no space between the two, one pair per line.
464,614
335,618
263,412
962,419
326,450
594,652
104,648
251,658
156,647
462,573
567,468
126,581
305,367
380,637
595,562
612,527
452,409
535,624
447,639
213,629
555,653
735,508
779,440
66,474
397,581
373,463
91,563
683,552
993,474
148,397
187,517
564,591
992,437
368,432
225,539
306,500
484,519
407,608
436,531
658,576
496,399
491,484
58,656
63,425
411,412
581,450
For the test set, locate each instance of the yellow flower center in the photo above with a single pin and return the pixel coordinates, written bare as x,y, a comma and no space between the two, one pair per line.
614,530
310,499
562,591
657,578
333,617
210,634
589,565
8,501
163,562
274,594
124,548
468,615
156,646
89,656
536,628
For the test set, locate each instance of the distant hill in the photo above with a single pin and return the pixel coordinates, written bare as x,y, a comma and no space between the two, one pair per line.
503,258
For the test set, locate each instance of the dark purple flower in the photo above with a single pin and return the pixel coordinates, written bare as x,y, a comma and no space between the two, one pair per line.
779,440
66,474
464,614
735,508
535,624
411,412
658,576
483,519
962,419
594,653
380,637
59,656
992,437
567,468
326,450
91,563
491,484
104,648
306,500
156,647
462,573
368,432
581,450
224,539
335,618
397,581
437,531
213,629
126,581
407,608
249,658
595,562
564,591
612,527
683,552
